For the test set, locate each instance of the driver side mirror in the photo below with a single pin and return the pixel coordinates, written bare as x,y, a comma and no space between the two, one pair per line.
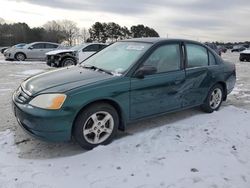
30,48
145,70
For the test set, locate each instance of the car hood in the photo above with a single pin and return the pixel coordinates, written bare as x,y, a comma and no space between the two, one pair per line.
55,52
63,80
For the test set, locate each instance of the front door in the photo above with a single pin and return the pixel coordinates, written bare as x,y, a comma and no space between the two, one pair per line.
161,91
35,51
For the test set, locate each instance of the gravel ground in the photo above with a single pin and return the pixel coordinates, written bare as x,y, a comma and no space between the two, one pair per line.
12,74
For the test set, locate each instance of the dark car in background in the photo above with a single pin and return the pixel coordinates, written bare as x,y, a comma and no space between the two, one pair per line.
238,48
125,82
20,45
2,49
245,55
222,48
74,55
214,47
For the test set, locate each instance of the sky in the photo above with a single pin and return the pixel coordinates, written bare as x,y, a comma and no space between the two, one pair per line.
202,20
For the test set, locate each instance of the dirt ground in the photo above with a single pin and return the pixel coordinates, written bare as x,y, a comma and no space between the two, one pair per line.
13,73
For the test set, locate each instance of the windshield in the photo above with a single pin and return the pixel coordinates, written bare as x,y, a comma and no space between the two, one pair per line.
20,45
78,47
118,57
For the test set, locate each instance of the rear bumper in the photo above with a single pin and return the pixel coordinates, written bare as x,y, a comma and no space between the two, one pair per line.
46,125
231,81
244,57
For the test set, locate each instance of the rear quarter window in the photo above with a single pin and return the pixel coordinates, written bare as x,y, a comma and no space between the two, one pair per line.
51,46
212,60
38,46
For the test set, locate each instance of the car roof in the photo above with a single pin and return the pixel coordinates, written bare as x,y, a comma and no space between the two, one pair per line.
89,43
43,42
155,40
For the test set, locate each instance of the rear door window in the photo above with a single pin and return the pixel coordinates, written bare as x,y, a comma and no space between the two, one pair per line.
51,46
196,56
212,60
38,46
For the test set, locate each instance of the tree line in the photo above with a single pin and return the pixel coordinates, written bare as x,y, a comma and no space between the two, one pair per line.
66,31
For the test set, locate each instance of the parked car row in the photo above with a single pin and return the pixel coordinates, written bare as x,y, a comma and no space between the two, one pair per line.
55,54
214,47
243,49
74,55
238,48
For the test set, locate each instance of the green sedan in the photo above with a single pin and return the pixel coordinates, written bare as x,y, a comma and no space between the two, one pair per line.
127,81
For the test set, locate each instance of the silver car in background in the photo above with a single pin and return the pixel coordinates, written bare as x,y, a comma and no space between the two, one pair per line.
35,50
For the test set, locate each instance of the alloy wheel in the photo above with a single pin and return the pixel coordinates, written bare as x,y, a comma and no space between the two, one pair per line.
68,62
20,57
215,98
98,127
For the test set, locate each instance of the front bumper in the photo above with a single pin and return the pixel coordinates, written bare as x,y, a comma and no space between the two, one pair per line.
8,55
46,125
52,61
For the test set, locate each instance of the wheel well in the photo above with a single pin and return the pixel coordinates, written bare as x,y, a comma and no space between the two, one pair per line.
113,104
224,86
21,53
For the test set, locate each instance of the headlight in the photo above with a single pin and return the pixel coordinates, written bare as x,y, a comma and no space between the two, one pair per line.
48,101
75,53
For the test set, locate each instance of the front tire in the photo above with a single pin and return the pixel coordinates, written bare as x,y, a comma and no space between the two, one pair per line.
20,57
68,62
214,99
96,125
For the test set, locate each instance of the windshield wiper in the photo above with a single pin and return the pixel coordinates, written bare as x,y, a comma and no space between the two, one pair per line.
97,69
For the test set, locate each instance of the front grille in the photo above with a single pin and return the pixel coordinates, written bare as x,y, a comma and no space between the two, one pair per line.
50,57
21,96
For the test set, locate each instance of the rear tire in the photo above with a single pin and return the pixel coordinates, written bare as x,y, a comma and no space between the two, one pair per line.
214,99
242,59
96,125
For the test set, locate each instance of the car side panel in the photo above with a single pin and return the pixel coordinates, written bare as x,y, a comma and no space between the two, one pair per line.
195,86
229,76
116,90
199,81
156,94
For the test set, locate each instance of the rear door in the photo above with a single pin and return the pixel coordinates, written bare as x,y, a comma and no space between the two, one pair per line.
35,51
159,92
198,75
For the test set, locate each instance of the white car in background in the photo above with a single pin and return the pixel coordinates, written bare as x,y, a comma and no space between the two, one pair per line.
245,55
74,55
35,50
